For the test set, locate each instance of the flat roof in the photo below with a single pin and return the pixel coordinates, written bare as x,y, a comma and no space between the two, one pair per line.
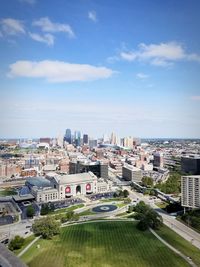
23,197
38,181
132,168
75,178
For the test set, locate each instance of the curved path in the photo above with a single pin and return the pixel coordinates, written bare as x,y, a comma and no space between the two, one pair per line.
119,219
151,230
173,248
29,245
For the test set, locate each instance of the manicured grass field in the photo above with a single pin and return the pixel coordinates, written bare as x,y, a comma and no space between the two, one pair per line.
179,243
102,244
71,208
27,241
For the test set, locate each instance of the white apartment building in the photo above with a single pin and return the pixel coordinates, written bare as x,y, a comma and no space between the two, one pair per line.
190,191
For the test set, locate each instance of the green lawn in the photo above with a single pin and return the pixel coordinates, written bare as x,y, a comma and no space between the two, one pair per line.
71,208
86,212
102,244
28,240
181,244
7,192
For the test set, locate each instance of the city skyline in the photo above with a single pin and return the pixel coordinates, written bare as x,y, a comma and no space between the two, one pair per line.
131,68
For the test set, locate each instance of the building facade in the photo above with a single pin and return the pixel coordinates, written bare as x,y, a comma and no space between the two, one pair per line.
190,165
130,173
56,187
100,169
190,191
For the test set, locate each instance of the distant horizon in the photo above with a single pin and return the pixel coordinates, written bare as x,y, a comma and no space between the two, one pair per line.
136,137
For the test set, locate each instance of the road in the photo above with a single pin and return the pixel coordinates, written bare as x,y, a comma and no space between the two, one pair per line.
169,220
19,228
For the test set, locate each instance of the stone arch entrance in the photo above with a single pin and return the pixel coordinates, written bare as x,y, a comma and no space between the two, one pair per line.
78,190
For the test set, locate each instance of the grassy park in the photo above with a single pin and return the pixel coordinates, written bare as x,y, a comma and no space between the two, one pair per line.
104,244
179,243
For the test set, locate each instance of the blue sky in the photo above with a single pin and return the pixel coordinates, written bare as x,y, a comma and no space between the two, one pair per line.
131,67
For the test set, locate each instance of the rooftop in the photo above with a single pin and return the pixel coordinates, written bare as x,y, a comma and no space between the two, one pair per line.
38,181
75,178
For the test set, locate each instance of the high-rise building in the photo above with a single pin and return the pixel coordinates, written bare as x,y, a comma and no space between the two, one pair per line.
190,191
77,138
191,165
68,136
128,142
85,139
113,139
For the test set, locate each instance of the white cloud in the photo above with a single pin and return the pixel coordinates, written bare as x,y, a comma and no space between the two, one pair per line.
92,15
162,54
12,26
48,26
58,71
30,2
196,97
129,56
46,38
141,75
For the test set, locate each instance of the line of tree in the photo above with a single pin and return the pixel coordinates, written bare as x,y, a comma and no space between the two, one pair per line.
192,218
147,217
47,208
69,216
46,227
147,181
121,194
172,185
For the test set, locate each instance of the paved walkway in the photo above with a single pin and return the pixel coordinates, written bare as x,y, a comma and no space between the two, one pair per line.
29,245
173,248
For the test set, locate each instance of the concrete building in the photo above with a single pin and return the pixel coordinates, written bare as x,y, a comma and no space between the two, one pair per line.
190,191
56,187
158,160
191,165
130,173
74,185
104,186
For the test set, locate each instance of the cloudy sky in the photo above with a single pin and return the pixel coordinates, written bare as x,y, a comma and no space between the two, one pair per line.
132,67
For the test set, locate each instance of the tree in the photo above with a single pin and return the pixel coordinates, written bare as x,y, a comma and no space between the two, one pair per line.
70,216
147,181
44,209
16,243
46,227
172,185
147,217
126,193
30,212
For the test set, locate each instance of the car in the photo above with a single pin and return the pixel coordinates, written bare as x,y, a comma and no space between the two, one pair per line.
28,226
26,233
